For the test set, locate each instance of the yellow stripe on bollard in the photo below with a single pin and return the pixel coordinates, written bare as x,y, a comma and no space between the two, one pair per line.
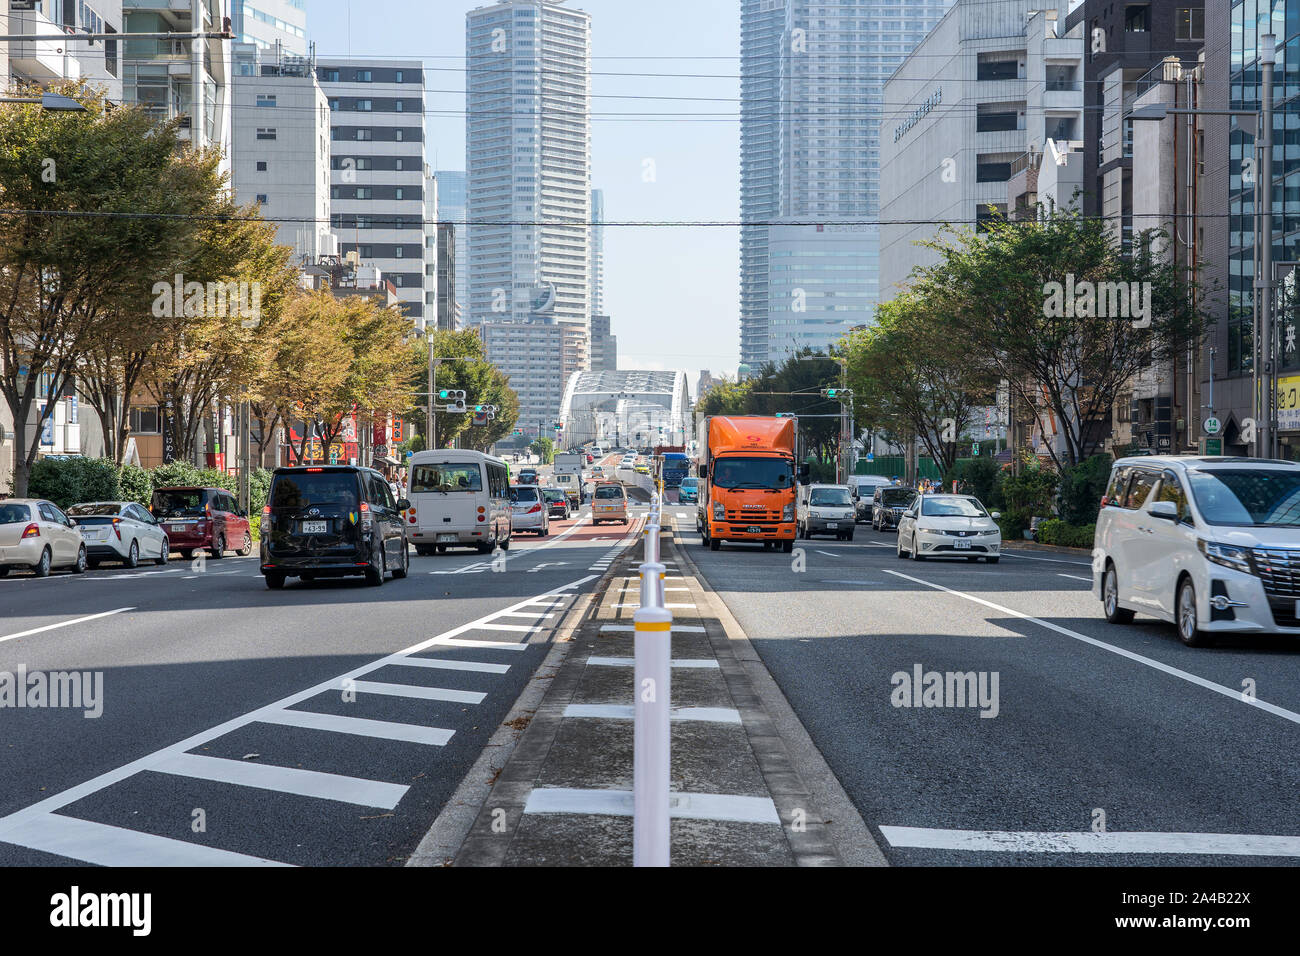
653,625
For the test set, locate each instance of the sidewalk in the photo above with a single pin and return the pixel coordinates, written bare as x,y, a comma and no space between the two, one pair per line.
564,797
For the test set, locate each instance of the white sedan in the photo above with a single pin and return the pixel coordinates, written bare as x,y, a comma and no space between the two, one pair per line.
949,526
120,531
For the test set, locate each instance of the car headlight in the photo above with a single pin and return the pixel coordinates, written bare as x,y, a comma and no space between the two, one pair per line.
787,513
1225,554
718,511
814,514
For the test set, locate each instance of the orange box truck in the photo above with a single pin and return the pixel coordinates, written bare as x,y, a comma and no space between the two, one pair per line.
748,474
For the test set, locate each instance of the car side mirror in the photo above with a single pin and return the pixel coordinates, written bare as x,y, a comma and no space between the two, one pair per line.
1164,509
995,515
403,504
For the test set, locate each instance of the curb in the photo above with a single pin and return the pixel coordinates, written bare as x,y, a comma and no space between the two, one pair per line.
795,769
450,830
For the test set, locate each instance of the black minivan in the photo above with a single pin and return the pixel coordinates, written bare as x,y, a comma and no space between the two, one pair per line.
330,521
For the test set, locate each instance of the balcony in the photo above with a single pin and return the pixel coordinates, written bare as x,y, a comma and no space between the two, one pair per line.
41,60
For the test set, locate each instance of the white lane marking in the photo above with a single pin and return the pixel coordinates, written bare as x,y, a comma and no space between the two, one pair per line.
681,628
1027,557
360,727
1073,577
106,845
1226,844
516,628
829,554
416,691
631,662
107,779
717,715
75,620
303,783
469,642
1233,693
676,589
440,663
682,806
531,615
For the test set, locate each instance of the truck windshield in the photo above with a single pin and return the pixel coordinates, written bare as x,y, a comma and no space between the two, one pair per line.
774,474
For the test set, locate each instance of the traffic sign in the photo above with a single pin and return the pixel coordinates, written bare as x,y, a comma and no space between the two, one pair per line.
1212,426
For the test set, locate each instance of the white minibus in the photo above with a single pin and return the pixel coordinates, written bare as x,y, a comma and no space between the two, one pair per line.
458,498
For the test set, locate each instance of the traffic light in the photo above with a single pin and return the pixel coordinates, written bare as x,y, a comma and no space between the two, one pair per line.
455,400
444,395
830,393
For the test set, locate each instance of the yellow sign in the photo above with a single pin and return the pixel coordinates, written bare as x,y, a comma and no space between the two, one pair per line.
1288,403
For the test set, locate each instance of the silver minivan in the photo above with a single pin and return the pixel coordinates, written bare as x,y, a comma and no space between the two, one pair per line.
1210,544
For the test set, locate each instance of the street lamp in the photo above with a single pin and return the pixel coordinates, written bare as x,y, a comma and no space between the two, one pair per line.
54,102
1264,431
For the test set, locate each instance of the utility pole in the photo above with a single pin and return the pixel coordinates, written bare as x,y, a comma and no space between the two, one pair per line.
431,418
1267,56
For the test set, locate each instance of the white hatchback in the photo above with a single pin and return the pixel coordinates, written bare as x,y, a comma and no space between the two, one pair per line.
1211,545
949,526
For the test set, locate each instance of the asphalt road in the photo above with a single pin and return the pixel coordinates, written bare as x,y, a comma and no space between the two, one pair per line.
1097,726
238,720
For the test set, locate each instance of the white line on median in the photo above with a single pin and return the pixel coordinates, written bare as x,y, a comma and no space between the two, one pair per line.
682,806
75,620
1191,678
1010,841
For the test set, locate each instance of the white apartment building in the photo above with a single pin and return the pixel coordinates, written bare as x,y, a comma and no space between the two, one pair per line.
379,178
266,23
48,62
991,83
281,148
538,360
528,157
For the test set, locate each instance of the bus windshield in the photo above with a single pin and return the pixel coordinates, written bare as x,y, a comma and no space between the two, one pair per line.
447,477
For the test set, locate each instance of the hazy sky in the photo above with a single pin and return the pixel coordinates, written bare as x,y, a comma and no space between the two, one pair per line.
672,292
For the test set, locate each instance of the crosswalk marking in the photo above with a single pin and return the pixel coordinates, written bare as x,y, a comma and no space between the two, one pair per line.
517,628
418,692
469,642
359,726
441,663
304,783
105,845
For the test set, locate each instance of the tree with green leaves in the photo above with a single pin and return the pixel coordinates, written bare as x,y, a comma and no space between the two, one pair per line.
1062,314
105,194
465,367
913,378
544,449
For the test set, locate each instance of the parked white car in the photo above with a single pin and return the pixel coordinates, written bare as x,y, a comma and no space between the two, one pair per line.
120,531
36,535
1211,545
949,526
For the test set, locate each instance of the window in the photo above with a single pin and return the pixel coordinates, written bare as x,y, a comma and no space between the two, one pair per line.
363,76
1189,24
1137,19
447,477
397,193
365,135
992,172
1171,489
261,198
365,192
266,132
397,77
399,165
144,419
398,252
399,135
266,99
1139,488
261,166
363,106
329,76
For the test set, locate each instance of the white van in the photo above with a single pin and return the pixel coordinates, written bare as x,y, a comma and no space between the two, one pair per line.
458,498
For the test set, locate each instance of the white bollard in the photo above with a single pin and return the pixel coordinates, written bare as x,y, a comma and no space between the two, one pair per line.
651,535
652,584
651,739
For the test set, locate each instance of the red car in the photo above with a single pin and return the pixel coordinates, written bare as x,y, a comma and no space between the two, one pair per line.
202,519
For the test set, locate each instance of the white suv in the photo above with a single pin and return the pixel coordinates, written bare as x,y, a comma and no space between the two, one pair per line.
1209,544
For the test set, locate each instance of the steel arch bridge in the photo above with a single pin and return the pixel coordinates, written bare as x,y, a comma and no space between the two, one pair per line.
627,408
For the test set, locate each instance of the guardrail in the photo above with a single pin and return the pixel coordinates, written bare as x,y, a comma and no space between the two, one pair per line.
651,744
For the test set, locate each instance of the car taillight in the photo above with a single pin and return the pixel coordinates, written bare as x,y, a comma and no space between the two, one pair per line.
365,515
32,531
534,509
117,529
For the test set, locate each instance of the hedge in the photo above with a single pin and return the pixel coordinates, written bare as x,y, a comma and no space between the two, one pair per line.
1056,531
70,481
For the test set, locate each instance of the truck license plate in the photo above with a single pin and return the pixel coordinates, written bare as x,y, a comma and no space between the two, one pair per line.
446,538
313,527
753,529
